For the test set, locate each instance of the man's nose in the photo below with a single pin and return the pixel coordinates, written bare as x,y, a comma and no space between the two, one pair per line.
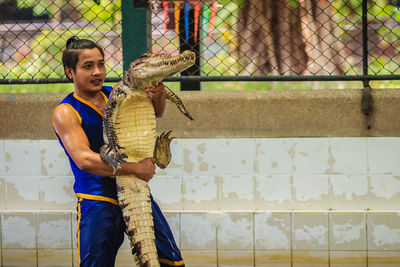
96,70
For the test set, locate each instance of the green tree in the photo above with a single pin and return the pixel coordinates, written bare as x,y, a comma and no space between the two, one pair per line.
58,10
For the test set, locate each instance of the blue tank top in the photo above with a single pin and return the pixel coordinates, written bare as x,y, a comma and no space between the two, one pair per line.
90,117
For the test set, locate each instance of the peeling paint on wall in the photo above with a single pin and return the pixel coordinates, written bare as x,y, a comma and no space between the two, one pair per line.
312,233
347,233
384,235
385,186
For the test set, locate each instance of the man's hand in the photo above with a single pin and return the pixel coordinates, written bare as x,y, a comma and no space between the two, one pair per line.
158,96
155,92
146,169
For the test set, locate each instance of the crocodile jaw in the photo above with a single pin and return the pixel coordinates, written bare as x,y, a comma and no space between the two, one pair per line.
150,70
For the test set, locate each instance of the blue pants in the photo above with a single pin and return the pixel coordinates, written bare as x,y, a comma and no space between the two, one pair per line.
101,231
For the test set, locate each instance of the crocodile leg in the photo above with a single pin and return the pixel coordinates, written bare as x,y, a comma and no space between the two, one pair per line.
110,152
162,151
171,96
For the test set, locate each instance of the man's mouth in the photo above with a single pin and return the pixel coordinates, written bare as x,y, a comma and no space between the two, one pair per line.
96,81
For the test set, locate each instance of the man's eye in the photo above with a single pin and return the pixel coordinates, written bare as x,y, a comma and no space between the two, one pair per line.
86,66
101,64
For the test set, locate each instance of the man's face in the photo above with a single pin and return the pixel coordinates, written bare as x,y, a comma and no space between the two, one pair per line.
90,71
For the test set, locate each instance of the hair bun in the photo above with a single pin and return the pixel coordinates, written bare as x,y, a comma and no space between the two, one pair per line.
71,40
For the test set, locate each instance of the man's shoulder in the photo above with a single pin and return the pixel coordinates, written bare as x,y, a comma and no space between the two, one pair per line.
66,106
66,99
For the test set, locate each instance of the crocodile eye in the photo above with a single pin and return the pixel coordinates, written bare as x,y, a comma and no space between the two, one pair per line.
145,55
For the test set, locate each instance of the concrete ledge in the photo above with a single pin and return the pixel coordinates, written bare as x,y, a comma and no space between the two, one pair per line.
289,113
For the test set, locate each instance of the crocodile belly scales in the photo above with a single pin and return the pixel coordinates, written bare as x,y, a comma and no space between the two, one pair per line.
135,127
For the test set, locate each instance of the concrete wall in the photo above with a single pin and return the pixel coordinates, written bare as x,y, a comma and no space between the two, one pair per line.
279,178
286,113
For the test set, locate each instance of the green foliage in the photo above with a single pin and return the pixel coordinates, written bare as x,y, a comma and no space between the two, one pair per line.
36,88
350,11
44,60
227,16
294,3
251,86
38,7
106,12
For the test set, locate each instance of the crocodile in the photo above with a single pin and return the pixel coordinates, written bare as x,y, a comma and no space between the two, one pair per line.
129,136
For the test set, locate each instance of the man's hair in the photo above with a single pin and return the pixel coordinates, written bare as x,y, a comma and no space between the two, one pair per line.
70,55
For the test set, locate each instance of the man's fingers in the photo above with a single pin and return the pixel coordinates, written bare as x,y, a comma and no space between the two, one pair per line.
161,85
150,92
151,159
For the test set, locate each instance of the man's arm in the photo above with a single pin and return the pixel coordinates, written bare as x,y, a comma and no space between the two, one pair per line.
76,143
158,96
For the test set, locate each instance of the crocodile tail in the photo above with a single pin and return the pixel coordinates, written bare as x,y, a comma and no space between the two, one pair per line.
135,202
171,96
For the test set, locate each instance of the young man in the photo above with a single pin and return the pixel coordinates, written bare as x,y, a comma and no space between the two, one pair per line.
78,122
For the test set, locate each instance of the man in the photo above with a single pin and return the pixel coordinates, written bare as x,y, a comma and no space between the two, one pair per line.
78,122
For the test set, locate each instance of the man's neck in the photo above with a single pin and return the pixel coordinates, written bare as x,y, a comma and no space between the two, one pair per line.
89,96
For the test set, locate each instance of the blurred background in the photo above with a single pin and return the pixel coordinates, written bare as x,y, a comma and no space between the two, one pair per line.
241,40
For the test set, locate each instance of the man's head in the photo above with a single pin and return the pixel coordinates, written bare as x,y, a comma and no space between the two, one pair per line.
83,62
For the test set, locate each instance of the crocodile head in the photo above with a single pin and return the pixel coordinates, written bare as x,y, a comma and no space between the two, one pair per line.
151,69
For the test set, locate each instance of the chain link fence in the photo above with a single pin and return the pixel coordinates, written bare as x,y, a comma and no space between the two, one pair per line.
234,39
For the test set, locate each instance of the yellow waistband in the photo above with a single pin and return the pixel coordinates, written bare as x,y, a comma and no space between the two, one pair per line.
171,263
100,198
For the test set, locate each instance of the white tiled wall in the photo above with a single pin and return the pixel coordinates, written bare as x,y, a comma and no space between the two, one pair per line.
281,174
229,202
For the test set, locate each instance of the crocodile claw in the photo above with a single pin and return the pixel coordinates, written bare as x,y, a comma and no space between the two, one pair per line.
162,153
112,156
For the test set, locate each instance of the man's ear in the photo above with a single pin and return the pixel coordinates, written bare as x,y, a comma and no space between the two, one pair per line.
69,72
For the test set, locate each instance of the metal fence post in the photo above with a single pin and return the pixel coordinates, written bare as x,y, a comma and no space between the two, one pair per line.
366,99
136,31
